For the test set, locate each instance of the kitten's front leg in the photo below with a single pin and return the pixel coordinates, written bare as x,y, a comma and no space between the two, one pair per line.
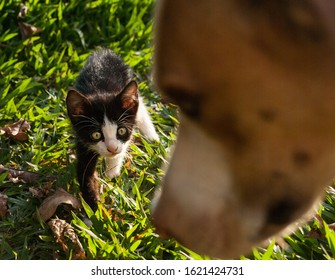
87,176
113,165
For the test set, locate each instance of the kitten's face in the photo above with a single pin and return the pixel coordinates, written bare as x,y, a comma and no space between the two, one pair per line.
104,123
111,138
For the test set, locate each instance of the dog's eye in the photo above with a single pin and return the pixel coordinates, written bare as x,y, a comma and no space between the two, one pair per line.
299,21
96,135
189,102
122,131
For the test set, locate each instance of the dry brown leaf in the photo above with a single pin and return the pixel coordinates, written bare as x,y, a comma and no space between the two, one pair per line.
62,229
27,30
24,176
50,204
43,190
17,130
36,192
315,234
3,205
319,218
332,226
23,11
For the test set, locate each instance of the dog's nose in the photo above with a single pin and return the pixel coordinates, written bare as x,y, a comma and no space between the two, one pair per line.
281,212
279,215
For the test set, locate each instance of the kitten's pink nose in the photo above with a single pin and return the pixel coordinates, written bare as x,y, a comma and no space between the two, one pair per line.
112,149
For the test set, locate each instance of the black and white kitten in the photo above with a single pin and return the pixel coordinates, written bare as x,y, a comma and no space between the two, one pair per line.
104,107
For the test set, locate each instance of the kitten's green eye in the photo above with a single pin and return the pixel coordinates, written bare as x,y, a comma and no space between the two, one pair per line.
122,131
96,135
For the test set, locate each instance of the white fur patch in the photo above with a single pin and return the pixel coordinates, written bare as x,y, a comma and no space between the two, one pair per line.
144,122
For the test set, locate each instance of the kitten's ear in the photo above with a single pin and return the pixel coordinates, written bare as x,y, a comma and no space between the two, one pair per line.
129,96
76,103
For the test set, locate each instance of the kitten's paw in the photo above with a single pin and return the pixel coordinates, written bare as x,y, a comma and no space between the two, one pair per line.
113,172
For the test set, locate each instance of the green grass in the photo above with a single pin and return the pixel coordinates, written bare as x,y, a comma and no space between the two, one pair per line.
35,74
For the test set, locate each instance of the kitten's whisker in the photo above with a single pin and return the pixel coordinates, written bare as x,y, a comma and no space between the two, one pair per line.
123,114
85,117
83,122
129,127
82,127
125,118
93,120
104,108
128,156
124,121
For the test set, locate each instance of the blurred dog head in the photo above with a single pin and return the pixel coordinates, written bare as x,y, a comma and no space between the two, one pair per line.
255,84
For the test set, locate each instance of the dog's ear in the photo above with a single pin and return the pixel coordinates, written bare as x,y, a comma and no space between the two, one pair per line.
77,104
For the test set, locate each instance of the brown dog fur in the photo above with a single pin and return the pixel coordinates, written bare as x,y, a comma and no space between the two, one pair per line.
255,82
